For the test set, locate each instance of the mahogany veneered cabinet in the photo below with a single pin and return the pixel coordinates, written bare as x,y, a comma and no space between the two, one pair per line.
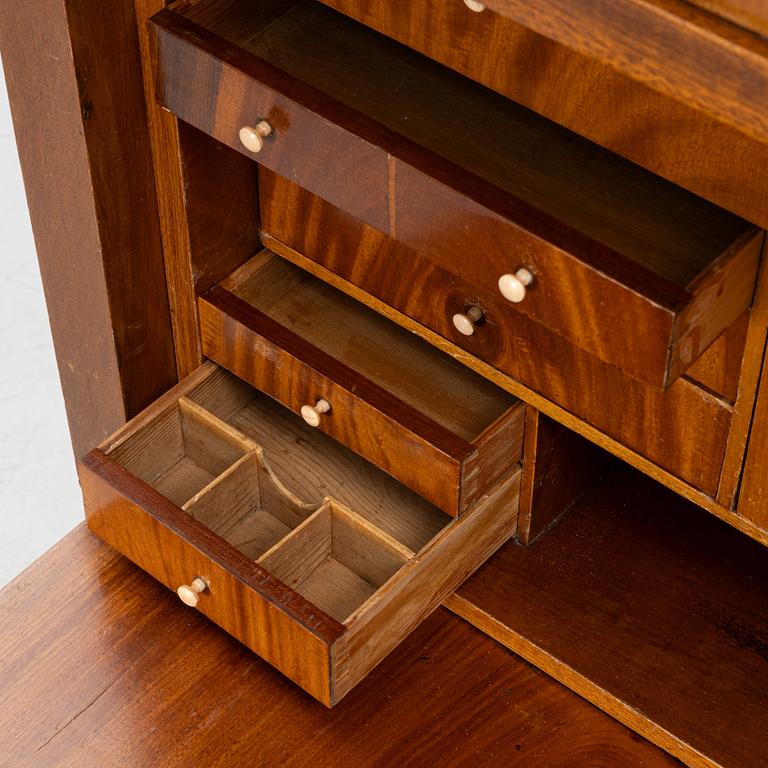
362,308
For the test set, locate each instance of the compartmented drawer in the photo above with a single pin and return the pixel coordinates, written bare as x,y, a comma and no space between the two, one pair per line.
520,209
441,429
305,552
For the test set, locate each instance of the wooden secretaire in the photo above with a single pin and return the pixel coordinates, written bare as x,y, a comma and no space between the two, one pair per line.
364,308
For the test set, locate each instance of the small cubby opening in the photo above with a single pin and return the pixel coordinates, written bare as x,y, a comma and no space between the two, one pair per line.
179,452
336,560
248,508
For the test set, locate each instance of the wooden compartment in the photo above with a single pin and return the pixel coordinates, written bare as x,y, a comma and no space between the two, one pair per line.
412,410
482,186
305,552
684,430
336,560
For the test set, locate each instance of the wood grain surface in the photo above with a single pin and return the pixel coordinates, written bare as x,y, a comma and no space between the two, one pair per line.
753,499
604,238
584,94
649,608
92,204
559,467
655,424
141,680
723,70
406,407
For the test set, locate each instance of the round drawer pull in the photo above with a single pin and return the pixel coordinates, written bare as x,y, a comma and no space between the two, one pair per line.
465,323
513,287
252,138
473,5
190,593
311,413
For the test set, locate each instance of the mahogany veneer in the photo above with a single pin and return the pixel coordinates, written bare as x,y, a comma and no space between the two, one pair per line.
303,551
416,413
612,247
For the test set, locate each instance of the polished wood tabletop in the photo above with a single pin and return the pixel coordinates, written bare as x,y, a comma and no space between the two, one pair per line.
101,666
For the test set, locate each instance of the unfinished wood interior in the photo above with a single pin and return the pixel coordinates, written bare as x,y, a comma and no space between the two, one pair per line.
253,473
416,372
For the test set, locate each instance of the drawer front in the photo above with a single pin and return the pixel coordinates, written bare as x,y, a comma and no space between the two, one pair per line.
297,547
423,441
590,304
481,184
306,143
657,425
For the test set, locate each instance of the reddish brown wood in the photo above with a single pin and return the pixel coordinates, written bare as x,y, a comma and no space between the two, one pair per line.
657,425
92,203
221,190
577,292
753,497
752,14
299,115
723,70
142,680
451,469
589,97
174,548
604,238
559,467
650,608
719,368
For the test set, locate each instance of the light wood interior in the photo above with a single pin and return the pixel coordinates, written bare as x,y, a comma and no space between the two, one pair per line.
336,560
246,508
400,362
179,453
671,232
314,514
312,466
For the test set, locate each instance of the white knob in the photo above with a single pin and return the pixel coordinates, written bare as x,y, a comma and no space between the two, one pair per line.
466,323
473,5
189,594
513,287
311,413
253,138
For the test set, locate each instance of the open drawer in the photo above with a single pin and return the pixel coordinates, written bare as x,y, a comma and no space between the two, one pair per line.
623,264
413,411
299,548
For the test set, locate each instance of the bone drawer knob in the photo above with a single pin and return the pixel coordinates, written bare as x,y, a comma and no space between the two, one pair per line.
466,323
311,413
473,5
513,287
252,138
190,593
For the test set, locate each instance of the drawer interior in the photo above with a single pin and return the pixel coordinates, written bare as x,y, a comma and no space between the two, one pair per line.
310,555
428,380
253,472
667,231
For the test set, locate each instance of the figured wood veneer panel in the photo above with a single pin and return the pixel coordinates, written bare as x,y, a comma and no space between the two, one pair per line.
604,238
657,425
584,94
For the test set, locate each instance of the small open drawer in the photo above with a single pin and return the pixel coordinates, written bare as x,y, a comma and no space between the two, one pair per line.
299,548
623,264
441,429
